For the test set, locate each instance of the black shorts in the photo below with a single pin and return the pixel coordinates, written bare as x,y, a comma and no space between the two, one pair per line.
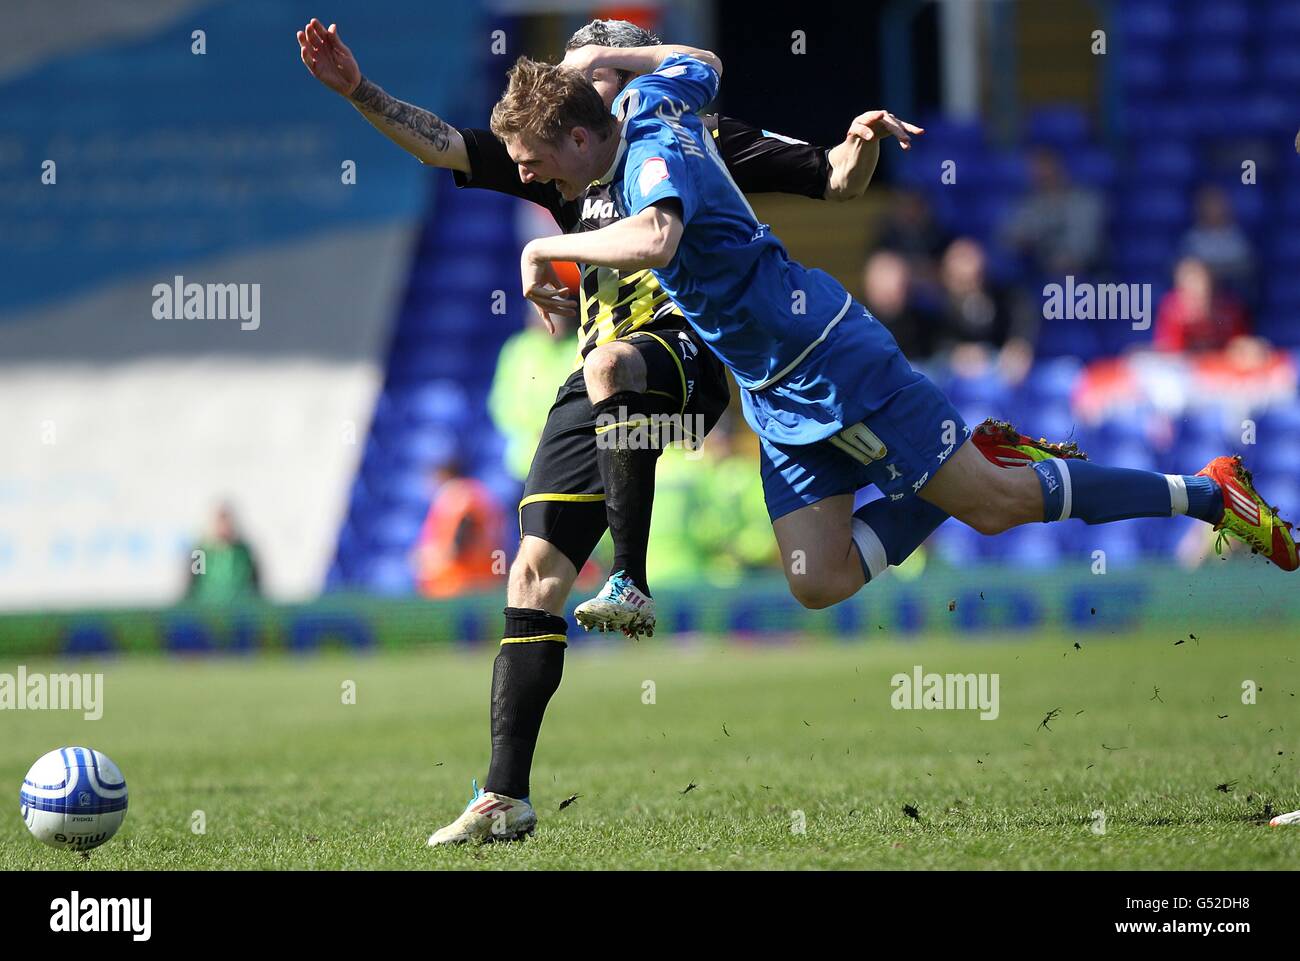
564,499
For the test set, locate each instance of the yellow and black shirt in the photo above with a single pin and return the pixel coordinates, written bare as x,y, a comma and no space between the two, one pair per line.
614,303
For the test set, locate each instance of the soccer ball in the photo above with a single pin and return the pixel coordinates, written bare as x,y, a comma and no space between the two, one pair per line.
73,798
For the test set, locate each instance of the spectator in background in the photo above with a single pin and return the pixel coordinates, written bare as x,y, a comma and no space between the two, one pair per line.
911,231
460,545
887,291
1194,315
222,566
1219,242
530,369
1057,228
980,323
736,540
710,519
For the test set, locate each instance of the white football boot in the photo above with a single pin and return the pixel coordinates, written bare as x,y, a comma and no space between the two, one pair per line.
619,606
488,817
1281,819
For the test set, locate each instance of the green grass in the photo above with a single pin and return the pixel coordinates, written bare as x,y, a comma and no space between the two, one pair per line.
289,777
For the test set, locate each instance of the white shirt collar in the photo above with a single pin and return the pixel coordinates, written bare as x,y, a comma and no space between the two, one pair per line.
618,156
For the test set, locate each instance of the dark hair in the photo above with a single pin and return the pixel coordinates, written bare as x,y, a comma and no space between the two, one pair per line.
613,33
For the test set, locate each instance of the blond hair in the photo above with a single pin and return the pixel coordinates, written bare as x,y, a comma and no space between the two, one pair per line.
546,101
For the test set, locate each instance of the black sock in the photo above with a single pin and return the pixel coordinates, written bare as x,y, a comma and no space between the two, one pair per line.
626,456
524,676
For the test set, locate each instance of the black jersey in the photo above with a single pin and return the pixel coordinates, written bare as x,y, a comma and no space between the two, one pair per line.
613,303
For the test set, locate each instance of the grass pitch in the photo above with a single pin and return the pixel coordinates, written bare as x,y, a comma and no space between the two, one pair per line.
1152,733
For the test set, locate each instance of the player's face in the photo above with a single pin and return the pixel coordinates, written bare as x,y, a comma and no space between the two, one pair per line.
565,164
607,83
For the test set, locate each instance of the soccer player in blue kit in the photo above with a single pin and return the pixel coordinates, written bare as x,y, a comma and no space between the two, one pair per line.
834,402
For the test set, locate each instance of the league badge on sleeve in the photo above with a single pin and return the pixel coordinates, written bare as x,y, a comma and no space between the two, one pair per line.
652,172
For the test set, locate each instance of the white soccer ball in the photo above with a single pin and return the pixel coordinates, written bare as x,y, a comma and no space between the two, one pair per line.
73,798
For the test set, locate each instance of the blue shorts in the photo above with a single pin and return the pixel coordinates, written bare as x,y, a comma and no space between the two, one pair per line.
898,447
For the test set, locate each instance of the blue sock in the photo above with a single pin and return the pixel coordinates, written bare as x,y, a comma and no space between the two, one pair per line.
886,533
1100,495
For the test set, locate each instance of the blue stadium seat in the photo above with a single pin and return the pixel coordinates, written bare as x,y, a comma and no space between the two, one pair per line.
1188,458
426,447
1148,19
1130,453
1252,206
1278,326
1030,545
1171,163
1056,423
1118,540
1063,126
1284,252
1281,66
1126,430
955,134
436,402
1278,421
411,489
1219,20
1281,307
1155,536
395,529
1205,426
1281,491
1145,71
1155,204
959,544
1214,66
1262,113
388,575
1281,20
1076,339
1052,381
1278,454
989,391
994,171
1093,167
1171,119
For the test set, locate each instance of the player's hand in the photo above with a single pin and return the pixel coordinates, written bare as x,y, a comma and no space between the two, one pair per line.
876,125
328,58
542,288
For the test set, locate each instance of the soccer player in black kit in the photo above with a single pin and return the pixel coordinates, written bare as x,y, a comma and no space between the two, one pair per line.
639,362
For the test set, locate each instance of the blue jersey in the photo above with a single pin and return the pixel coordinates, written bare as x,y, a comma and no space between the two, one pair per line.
810,361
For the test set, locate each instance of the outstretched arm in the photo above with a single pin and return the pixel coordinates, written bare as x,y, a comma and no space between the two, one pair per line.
854,161
634,59
417,131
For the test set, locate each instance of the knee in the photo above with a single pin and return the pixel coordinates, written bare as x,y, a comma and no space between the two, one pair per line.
817,594
537,580
609,369
988,520
1003,507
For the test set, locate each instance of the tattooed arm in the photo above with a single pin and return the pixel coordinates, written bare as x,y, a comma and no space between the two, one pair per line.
417,131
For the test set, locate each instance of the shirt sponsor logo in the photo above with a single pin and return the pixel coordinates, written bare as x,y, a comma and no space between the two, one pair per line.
595,208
